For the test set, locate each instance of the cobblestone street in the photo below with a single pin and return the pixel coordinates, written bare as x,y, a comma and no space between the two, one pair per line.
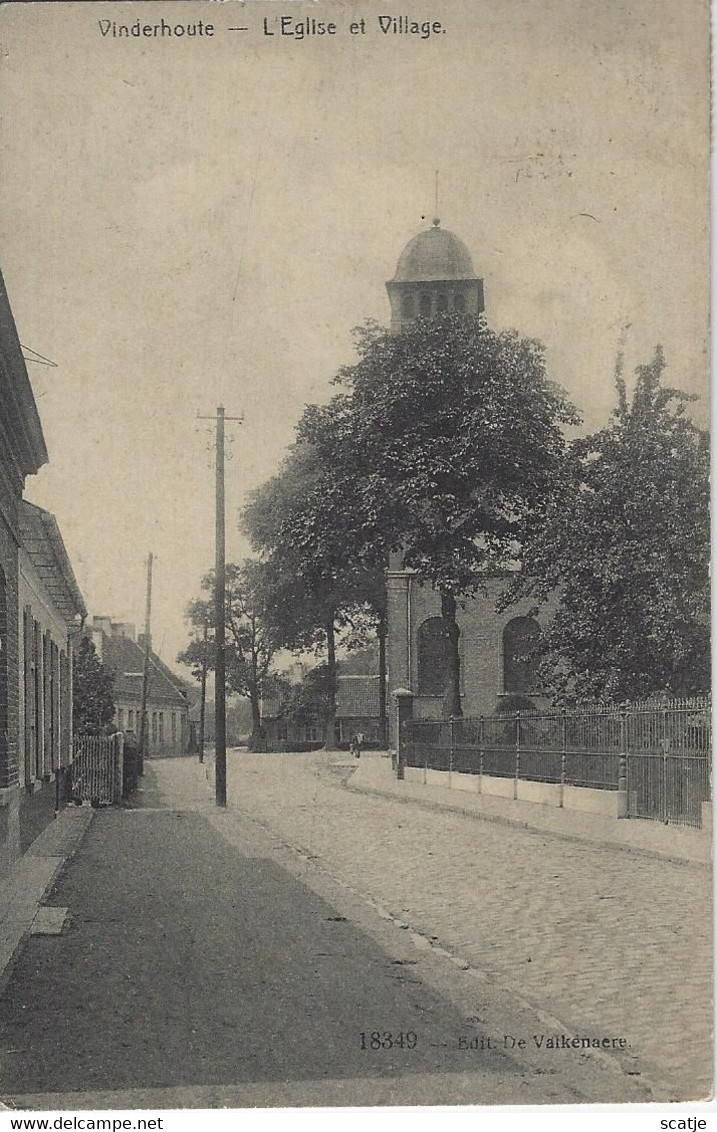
609,942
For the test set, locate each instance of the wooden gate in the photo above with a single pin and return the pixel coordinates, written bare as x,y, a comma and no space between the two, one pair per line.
97,768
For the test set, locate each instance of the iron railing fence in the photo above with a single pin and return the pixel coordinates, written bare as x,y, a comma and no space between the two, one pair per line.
97,768
670,761
657,751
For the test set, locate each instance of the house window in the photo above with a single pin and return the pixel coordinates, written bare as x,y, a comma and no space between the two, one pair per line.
431,657
426,304
161,728
174,727
520,638
282,732
459,301
441,301
312,733
120,719
154,727
130,720
408,307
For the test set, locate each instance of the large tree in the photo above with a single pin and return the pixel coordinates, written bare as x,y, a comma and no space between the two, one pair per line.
444,445
625,547
296,521
251,639
93,705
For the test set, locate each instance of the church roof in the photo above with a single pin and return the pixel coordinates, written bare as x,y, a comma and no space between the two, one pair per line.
432,255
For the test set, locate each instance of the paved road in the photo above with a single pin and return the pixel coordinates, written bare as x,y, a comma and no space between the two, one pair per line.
198,970
603,939
235,957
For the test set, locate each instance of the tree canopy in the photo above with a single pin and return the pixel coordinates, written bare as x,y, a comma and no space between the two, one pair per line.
445,444
93,705
625,546
251,637
326,590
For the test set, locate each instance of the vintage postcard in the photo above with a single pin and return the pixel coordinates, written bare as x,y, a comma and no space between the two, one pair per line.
355,741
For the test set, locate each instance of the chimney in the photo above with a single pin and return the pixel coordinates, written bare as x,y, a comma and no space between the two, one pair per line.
97,637
102,623
123,629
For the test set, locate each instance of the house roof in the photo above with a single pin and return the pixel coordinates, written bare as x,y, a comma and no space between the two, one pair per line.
125,658
18,410
357,697
42,541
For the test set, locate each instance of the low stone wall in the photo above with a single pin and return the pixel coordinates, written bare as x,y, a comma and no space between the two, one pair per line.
609,803
707,817
612,803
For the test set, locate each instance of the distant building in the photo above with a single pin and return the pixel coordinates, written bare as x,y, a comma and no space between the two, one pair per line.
168,729
357,709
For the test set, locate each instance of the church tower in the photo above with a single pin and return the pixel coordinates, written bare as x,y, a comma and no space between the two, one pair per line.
434,274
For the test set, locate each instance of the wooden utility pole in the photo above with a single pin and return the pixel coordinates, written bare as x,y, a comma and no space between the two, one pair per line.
145,669
220,709
203,700
220,686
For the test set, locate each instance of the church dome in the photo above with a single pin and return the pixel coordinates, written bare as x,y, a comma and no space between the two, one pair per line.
434,255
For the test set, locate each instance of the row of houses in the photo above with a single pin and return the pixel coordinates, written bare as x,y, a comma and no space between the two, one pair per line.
122,651
42,614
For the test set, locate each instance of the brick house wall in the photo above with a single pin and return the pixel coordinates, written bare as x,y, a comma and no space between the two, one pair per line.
22,453
9,706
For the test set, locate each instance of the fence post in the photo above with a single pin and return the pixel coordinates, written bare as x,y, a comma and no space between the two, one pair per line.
563,753
404,718
665,746
481,748
517,754
452,752
119,767
622,801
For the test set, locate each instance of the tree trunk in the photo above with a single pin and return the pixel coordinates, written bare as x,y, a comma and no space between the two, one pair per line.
257,734
330,727
381,633
452,683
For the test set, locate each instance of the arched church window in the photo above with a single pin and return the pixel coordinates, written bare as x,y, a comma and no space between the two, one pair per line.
408,307
459,301
431,657
520,638
426,304
441,301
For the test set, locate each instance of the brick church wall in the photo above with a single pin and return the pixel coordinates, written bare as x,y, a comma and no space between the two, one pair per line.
410,604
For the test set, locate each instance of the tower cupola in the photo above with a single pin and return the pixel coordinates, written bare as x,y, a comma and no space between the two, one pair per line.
434,274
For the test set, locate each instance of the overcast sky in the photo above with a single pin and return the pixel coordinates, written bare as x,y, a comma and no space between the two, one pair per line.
185,223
